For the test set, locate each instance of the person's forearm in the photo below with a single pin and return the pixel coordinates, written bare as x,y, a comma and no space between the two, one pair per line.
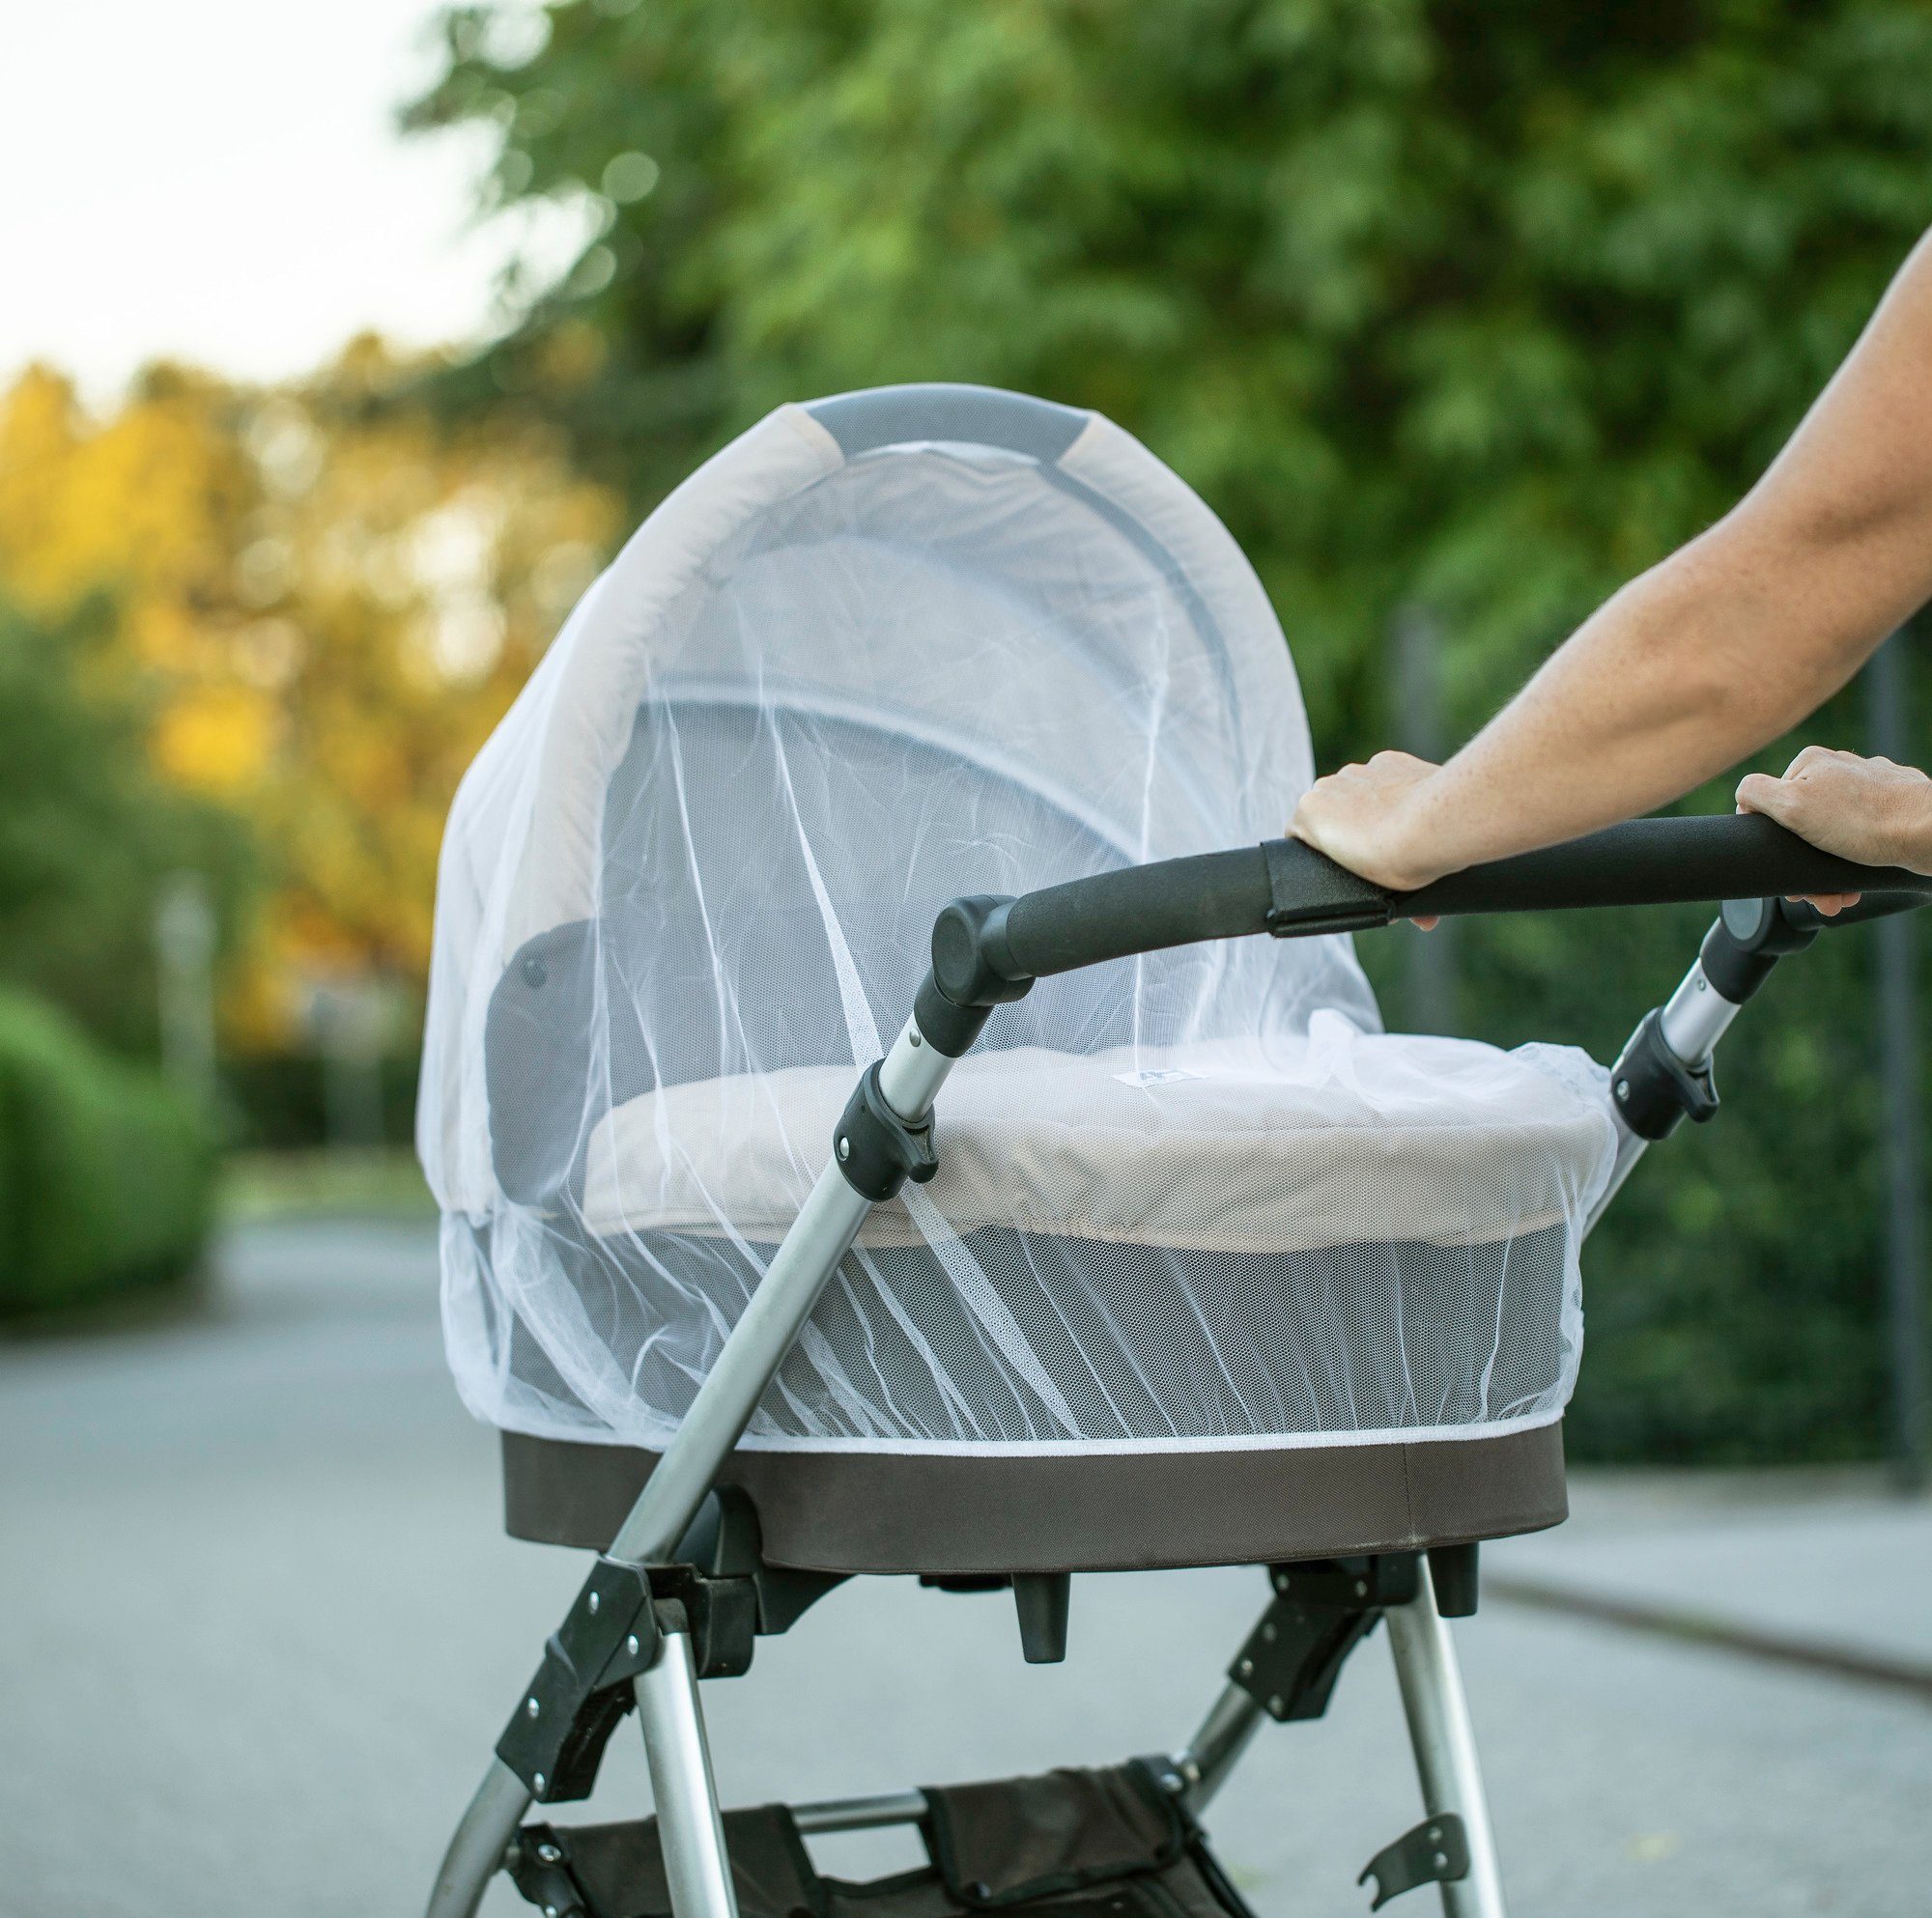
1733,639
1690,668
1708,657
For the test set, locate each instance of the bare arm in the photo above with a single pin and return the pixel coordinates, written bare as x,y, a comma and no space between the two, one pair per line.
1723,646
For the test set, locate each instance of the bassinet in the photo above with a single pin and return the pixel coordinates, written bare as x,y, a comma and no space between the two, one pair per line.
1212,1268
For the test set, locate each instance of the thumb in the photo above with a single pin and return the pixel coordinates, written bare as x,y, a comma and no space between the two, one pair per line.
1759,792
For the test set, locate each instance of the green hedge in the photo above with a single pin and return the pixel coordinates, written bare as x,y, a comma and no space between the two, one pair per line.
106,1172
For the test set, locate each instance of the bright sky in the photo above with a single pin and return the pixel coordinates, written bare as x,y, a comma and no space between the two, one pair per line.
219,180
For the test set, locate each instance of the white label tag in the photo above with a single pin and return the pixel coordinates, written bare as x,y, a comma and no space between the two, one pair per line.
1155,1075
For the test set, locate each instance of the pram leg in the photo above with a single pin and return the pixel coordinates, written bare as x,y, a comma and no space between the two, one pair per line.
1445,1745
475,1853
1216,1748
909,1079
683,1791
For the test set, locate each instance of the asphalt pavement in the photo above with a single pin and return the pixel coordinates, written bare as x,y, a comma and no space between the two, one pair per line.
258,1630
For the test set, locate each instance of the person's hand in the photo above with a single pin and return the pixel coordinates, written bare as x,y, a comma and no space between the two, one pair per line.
1361,817
1865,809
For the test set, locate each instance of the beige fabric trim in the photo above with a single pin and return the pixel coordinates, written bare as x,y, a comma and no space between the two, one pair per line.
594,700
1241,1157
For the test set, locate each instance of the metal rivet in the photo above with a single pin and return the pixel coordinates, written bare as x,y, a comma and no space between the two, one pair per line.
550,1911
593,1604
1281,1581
631,1645
1623,1089
844,1148
1276,1704
913,1038
1435,1834
549,1855
1268,1634
1442,1861
539,1782
1361,1588
533,1707
1246,1668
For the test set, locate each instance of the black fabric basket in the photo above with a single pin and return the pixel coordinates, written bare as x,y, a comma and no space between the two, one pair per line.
1073,1844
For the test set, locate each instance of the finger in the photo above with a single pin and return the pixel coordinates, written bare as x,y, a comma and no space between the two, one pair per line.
1810,756
1428,922
1776,798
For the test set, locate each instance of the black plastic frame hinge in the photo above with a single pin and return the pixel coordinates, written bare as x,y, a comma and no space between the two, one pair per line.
555,1738
540,1869
719,1615
876,1150
1653,1090
1434,1853
1321,1610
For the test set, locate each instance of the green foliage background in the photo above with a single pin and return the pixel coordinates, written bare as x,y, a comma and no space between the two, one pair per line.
1477,307
106,1172
90,836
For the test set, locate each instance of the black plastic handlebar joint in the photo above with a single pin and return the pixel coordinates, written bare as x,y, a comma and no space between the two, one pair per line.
972,972
973,961
1747,939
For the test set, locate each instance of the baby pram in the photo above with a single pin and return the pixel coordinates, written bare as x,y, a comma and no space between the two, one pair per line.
1194,1265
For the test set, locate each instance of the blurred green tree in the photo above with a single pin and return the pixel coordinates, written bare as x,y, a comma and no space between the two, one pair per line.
1480,307
90,836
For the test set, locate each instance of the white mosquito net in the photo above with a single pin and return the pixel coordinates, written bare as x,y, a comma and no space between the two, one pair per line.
878,653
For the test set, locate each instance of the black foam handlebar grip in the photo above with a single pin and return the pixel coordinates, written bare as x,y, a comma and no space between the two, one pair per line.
1142,908
1659,863
1291,891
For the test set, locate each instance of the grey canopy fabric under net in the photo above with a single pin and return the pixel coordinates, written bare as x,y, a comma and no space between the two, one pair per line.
876,654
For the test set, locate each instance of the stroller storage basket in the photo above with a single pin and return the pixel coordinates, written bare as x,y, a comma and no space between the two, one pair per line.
1108,1844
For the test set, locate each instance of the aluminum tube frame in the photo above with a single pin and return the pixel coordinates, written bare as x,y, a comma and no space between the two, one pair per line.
822,1234
1631,1147
1697,1016
1693,1019
910,1078
1444,1741
483,1837
684,1791
874,1814
1216,1748
827,1223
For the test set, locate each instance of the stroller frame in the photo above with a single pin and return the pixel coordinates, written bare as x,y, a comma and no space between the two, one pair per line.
987,952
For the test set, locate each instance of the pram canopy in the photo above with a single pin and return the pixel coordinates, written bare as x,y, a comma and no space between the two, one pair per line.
880,652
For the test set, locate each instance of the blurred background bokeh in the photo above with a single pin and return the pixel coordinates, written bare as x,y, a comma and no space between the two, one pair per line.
1459,315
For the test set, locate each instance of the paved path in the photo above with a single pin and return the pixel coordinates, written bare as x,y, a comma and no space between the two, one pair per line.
258,1629
1829,1571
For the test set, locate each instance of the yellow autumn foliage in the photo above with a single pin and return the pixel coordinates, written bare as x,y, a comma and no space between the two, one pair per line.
326,597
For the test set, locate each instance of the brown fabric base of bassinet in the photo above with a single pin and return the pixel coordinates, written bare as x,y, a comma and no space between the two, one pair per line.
869,1512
